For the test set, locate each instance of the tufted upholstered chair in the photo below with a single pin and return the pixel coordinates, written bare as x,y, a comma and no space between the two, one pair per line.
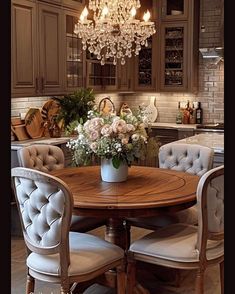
56,255
185,246
191,158
46,158
41,157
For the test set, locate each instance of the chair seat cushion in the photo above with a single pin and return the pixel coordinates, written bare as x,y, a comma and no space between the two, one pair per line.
87,253
175,242
84,224
188,216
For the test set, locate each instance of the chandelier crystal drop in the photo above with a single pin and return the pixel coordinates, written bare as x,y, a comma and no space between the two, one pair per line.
114,33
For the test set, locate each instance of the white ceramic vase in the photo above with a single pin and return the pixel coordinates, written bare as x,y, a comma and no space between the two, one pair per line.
111,174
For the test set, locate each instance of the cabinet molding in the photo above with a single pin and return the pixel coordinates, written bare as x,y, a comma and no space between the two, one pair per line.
37,49
24,48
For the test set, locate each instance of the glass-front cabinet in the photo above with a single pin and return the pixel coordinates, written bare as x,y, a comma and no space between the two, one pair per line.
74,56
174,57
174,9
100,77
145,76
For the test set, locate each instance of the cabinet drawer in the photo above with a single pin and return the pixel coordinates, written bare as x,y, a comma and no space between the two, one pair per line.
164,136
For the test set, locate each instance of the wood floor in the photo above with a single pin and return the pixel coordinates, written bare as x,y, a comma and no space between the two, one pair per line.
164,284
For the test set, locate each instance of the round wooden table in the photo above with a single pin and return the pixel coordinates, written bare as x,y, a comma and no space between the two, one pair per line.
148,191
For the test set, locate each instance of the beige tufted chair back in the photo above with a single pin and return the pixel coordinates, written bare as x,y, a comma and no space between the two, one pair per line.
41,157
210,200
45,205
191,158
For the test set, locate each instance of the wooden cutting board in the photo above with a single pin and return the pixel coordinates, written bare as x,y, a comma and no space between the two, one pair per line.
20,132
151,110
34,123
49,109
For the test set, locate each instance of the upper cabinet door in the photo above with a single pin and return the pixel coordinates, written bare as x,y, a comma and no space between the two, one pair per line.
145,66
24,48
51,48
100,77
75,55
174,57
124,75
174,9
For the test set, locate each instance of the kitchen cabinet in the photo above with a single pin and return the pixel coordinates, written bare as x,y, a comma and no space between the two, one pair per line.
50,49
37,49
75,57
146,63
124,75
100,77
174,58
146,67
24,65
179,48
174,9
164,135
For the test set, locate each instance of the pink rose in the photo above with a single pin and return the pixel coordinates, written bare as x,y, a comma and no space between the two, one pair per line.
119,126
106,130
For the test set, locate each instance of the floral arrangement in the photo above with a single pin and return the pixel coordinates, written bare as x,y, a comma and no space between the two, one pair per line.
120,138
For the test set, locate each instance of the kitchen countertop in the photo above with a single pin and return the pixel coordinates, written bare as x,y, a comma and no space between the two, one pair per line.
212,140
15,145
173,125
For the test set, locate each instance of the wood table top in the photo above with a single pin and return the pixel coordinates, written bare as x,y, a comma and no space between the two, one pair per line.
145,188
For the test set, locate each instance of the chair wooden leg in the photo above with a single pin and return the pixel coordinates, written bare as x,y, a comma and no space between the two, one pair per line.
222,277
121,280
30,284
131,276
128,235
199,288
65,288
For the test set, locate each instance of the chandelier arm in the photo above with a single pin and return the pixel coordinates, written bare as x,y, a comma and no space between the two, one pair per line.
114,33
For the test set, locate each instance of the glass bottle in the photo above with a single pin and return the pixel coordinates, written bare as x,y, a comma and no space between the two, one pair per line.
186,114
192,119
179,115
199,114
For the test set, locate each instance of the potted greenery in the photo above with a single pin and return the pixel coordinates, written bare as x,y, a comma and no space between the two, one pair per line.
74,108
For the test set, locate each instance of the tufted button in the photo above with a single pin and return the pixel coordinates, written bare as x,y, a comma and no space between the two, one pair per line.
47,227
186,153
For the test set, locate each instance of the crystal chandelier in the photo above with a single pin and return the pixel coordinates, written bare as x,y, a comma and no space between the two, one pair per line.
114,33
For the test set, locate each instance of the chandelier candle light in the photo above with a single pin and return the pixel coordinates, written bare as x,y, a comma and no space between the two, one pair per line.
114,33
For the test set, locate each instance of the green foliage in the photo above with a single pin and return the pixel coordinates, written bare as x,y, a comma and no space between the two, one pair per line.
75,106
70,129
